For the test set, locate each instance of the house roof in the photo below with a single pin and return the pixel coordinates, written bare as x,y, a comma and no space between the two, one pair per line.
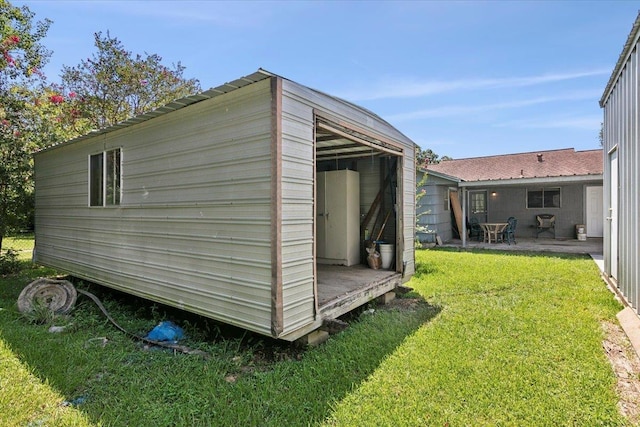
524,166
622,59
437,174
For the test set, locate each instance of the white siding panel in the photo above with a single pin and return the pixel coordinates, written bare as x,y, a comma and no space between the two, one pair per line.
194,226
409,209
297,215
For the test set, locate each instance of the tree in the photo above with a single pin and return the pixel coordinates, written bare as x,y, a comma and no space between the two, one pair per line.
113,85
425,157
601,134
21,58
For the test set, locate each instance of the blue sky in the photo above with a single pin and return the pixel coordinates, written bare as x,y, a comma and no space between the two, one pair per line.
464,79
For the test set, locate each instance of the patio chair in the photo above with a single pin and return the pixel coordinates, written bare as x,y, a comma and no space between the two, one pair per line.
475,230
545,222
509,233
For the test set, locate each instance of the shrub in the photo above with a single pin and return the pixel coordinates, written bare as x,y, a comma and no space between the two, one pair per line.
9,262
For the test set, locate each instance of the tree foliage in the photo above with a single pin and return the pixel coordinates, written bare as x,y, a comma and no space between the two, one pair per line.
107,88
425,157
113,85
21,58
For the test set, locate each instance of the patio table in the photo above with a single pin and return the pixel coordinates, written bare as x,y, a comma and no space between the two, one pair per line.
493,229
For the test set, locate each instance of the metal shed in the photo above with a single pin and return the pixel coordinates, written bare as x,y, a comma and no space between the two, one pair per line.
211,204
621,164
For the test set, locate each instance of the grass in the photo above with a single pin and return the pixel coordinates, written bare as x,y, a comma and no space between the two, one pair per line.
498,339
518,342
22,244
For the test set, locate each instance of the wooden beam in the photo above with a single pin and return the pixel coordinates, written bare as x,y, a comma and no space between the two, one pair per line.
382,140
277,317
327,138
339,147
379,147
457,210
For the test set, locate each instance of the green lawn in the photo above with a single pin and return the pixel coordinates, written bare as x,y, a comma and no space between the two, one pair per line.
497,339
22,245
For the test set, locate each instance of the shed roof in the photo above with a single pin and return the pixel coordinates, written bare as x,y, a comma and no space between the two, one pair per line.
539,164
622,59
178,104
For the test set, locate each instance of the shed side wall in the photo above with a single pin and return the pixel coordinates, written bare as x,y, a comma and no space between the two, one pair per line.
194,226
431,210
621,133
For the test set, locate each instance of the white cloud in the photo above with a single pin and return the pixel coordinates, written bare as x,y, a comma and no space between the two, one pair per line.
398,88
590,123
457,110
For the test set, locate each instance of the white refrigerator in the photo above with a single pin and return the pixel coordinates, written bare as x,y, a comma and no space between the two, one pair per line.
338,217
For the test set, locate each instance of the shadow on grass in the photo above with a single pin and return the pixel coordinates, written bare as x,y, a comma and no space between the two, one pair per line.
249,380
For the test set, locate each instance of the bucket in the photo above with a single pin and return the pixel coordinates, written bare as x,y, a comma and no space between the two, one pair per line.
387,253
582,236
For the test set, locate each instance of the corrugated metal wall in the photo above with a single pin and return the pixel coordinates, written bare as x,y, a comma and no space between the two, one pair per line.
193,229
431,207
408,223
297,213
621,134
195,226
298,105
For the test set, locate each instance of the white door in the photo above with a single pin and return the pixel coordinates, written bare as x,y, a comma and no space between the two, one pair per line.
595,217
613,215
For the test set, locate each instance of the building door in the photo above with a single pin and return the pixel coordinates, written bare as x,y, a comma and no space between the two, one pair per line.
613,215
595,217
478,205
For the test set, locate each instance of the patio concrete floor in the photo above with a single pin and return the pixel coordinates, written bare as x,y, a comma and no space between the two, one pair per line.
591,246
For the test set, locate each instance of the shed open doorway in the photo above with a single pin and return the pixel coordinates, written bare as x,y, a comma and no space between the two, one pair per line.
358,198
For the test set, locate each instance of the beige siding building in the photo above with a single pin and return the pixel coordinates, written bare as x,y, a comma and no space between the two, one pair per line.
209,204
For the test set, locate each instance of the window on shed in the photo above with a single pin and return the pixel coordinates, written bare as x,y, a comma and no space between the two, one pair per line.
105,178
543,198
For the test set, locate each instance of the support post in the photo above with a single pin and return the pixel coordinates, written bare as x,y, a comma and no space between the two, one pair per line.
464,217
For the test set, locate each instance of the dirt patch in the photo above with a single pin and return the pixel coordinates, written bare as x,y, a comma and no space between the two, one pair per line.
626,366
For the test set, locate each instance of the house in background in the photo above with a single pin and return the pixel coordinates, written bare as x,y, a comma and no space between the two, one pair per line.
565,183
242,203
621,171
